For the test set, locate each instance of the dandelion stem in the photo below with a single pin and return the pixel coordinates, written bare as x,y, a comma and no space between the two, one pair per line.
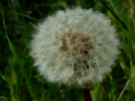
86,93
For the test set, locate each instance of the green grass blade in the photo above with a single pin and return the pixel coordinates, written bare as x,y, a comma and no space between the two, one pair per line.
28,82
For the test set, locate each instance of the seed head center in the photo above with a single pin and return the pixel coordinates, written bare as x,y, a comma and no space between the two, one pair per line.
76,43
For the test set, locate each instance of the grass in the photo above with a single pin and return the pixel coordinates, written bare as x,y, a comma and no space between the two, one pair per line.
19,79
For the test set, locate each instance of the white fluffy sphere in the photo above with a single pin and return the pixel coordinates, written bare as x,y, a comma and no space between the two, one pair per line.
74,47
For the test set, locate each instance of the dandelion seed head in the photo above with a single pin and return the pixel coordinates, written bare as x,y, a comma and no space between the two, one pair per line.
75,47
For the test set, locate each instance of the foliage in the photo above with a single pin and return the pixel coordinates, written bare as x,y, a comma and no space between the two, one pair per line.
19,79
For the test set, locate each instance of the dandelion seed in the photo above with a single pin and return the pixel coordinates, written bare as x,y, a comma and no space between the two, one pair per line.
75,47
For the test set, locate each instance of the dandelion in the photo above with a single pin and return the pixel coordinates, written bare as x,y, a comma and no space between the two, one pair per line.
75,47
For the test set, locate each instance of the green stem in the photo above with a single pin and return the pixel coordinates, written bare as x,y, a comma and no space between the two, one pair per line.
123,90
103,2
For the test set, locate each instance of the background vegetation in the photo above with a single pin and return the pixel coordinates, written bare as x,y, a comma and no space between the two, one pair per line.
20,81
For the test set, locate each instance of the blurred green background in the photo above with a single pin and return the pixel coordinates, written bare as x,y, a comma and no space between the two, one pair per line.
19,79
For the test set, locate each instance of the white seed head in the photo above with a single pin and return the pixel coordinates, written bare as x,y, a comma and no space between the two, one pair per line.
74,47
